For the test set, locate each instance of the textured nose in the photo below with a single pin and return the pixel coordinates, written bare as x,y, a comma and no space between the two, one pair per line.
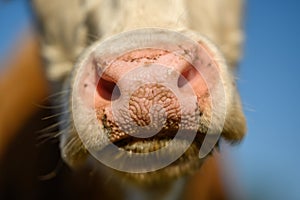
153,102
148,90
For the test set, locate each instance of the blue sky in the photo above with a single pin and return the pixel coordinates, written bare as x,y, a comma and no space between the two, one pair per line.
13,18
270,84
268,160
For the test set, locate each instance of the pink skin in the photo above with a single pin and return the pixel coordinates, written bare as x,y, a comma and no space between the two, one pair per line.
101,84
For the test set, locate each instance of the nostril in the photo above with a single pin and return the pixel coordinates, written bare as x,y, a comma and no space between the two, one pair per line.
181,81
108,90
186,76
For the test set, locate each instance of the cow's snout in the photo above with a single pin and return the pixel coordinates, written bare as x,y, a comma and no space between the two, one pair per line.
147,91
138,90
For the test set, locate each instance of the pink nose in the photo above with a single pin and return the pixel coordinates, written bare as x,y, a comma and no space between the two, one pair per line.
180,71
150,88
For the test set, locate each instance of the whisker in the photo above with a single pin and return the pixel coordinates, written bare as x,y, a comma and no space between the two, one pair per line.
59,133
51,107
41,139
56,95
45,140
46,135
55,125
60,93
53,134
55,115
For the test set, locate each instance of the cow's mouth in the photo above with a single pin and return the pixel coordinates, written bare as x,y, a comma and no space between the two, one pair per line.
186,164
158,141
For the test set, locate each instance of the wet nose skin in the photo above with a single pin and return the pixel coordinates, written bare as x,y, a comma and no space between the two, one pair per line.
157,88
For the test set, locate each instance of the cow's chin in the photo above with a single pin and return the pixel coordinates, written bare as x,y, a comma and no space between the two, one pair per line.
184,166
187,164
